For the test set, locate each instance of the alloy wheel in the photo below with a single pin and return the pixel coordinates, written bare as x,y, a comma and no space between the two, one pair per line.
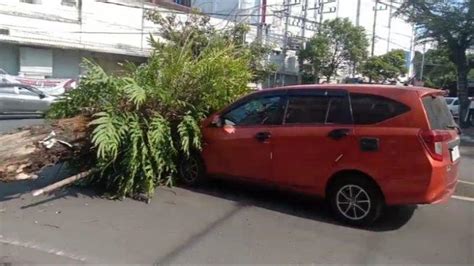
353,202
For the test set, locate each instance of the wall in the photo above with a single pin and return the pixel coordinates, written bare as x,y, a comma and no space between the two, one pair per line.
66,63
9,58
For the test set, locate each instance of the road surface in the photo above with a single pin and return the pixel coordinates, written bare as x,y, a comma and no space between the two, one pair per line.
226,223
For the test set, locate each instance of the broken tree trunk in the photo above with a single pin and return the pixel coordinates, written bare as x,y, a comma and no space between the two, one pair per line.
23,154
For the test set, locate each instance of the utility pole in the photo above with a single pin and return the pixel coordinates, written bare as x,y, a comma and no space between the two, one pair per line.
422,62
285,39
374,26
358,13
321,11
303,39
389,27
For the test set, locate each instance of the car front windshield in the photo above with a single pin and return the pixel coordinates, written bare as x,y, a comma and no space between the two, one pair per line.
449,100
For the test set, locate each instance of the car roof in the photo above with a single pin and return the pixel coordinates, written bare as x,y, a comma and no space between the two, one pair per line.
361,88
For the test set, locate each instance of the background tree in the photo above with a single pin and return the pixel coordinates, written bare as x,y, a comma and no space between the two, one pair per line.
338,43
385,67
451,24
438,71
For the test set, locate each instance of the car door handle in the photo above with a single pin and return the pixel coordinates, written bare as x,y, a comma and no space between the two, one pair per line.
339,133
262,136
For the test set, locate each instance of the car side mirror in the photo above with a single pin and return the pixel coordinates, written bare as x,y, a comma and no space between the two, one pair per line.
42,96
217,121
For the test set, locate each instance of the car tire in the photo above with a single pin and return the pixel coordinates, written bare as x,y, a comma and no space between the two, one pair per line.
356,201
191,169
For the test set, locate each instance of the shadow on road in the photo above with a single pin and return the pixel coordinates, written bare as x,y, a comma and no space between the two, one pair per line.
17,189
295,204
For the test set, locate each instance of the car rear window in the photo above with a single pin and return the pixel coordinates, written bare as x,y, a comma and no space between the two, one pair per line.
370,109
438,112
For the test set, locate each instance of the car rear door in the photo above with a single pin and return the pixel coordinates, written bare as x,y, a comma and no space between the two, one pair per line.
316,136
10,100
242,146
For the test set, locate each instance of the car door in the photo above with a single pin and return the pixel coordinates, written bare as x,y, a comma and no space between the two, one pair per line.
31,100
316,135
242,147
9,100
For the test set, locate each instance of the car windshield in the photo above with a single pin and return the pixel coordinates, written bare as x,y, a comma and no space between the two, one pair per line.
449,100
438,112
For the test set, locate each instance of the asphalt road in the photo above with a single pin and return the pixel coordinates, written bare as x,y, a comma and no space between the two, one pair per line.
224,222
8,125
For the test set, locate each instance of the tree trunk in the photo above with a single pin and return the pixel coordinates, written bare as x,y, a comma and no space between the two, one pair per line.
463,90
24,154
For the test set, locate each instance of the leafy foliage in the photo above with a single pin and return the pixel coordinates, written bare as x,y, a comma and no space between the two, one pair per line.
438,70
450,23
147,119
385,67
337,44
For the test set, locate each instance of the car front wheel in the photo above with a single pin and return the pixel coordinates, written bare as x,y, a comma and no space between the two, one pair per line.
356,201
191,169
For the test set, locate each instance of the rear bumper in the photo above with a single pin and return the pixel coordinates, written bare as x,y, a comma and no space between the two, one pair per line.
436,188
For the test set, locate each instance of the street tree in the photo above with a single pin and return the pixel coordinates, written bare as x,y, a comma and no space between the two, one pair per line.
438,70
337,44
451,24
385,67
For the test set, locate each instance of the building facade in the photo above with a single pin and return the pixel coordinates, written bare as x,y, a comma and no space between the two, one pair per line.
49,38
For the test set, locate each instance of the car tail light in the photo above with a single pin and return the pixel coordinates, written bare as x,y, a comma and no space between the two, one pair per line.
433,141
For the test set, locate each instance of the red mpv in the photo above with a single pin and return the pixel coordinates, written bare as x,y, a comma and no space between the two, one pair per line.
360,146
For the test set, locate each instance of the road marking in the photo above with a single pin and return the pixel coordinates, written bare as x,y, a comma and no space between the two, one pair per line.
462,198
32,245
466,182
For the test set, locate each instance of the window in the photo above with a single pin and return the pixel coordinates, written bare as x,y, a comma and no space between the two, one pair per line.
68,3
449,100
438,112
306,109
260,111
456,102
339,111
318,109
25,91
370,109
31,1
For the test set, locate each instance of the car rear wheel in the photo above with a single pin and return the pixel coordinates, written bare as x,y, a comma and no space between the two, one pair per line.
356,201
191,169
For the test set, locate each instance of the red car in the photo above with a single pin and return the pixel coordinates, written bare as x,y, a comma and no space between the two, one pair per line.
362,147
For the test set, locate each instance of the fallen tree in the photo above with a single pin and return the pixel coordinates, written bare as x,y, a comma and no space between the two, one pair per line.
25,153
132,129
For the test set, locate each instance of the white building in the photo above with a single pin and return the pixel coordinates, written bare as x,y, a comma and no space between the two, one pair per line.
390,32
49,38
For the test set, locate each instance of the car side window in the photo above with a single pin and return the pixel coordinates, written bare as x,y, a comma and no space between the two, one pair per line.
370,109
339,111
456,102
25,91
260,111
318,109
306,109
